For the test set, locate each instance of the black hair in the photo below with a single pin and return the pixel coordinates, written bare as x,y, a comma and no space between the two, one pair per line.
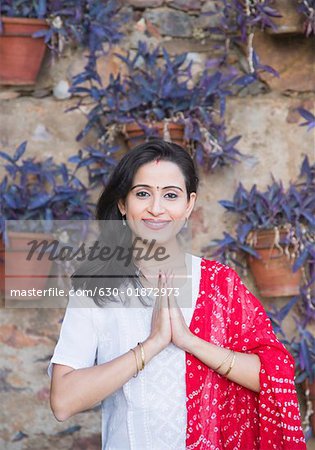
91,275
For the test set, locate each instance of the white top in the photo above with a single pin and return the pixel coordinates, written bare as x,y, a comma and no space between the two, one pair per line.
149,411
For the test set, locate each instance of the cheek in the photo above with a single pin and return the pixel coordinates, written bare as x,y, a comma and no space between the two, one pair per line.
178,208
135,206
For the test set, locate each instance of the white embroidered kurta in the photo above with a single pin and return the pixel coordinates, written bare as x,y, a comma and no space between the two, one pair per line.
149,411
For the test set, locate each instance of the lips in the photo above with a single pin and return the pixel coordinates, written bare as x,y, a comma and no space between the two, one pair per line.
155,224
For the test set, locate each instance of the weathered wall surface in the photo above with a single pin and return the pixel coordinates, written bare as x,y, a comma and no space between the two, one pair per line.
271,139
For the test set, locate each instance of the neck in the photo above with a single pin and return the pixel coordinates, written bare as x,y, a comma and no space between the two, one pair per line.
174,261
148,254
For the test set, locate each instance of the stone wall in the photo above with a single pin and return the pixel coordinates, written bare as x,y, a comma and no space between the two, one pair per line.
271,139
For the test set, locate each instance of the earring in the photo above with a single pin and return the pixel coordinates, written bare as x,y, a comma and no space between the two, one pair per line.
124,221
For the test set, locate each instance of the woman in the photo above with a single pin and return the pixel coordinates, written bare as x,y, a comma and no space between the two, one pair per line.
171,374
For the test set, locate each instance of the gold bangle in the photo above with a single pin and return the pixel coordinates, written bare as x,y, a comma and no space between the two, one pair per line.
142,355
231,366
224,361
134,352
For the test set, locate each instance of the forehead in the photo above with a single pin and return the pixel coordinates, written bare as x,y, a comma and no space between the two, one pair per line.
160,172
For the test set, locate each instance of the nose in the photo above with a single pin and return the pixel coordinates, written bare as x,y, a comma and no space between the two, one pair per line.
156,205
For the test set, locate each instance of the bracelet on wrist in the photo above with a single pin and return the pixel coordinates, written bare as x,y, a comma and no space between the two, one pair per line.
231,365
224,361
138,370
142,355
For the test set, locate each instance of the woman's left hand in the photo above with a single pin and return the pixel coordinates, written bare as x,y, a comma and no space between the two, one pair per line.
181,334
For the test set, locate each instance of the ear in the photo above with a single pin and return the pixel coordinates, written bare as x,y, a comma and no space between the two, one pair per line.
121,207
191,204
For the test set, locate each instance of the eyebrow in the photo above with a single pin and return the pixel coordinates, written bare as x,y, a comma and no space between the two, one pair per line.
151,187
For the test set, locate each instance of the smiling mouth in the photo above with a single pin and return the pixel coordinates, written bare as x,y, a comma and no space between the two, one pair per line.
155,224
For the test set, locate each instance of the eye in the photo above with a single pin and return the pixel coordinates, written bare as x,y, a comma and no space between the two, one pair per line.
172,195
142,194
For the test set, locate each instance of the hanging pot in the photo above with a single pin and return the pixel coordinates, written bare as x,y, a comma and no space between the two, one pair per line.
273,272
169,131
16,271
21,55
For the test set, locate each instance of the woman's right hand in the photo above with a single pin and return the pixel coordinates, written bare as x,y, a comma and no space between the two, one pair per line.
161,332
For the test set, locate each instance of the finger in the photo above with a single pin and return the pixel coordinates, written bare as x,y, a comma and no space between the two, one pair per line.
157,302
168,277
175,310
169,286
171,297
168,273
163,292
159,279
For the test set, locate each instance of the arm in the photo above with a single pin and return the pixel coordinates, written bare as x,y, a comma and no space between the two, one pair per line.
73,391
245,370
76,390
246,367
249,332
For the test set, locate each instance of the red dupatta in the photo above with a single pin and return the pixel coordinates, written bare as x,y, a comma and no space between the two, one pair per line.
220,413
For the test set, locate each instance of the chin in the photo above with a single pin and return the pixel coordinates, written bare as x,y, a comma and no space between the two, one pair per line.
159,236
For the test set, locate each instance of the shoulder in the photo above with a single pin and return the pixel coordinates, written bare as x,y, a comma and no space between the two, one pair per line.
228,280
78,299
215,273
234,295
205,263
78,320
213,270
216,268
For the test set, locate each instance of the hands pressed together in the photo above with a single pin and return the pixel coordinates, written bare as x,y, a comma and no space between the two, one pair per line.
168,323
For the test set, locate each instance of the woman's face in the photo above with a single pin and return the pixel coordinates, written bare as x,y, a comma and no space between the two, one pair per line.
156,206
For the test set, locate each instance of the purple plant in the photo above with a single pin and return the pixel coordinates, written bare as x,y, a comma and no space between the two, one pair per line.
237,17
86,23
275,207
40,190
98,162
301,346
159,87
235,24
309,118
23,8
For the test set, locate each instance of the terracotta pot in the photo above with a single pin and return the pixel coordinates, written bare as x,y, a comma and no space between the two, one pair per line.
273,272
21,55
169,131
16,272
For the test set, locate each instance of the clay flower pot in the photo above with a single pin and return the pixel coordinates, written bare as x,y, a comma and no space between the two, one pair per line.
16,272
21,55
169,131
273,272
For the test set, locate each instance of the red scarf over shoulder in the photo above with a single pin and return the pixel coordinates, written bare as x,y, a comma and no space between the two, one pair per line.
222,415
